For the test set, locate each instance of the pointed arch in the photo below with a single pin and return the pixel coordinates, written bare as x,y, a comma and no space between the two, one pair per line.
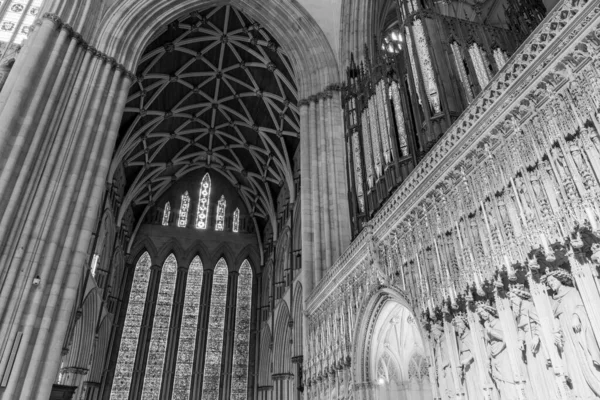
142,245
198,248
216,326
160,330
184,210
282,348
203,203
249,253
298,323
264,368
188,330
131,329
243,312
223,251
172,247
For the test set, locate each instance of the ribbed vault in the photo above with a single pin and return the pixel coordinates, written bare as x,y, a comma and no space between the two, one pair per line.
215,90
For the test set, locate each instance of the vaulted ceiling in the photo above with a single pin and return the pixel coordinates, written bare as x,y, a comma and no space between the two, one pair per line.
214,91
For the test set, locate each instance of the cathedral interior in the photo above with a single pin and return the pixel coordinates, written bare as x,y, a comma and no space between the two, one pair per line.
299,200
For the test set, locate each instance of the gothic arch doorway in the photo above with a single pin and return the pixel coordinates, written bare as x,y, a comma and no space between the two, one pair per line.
390,358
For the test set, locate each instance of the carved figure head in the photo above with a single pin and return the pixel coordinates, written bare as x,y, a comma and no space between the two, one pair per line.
485,311
460,322
556,278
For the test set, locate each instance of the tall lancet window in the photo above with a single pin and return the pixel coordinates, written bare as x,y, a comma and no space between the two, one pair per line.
480,64
18,19
236,220
187,336
183,210
166,214
131,330
214,341
201,220
239,381
220,225
160,330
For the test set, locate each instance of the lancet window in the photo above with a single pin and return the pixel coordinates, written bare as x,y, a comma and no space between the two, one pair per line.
239,385
189,328
480,64
201,221
176,332
426,66
236,220
94,266
166,214
220,220
17,20
160,330
214,341
462,71
131,330
183,210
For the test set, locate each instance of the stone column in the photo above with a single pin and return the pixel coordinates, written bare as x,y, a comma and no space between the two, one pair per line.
55,149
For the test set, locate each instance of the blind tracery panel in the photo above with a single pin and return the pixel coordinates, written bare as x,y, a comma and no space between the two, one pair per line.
187,336
160,330
239,383
216,325
131,330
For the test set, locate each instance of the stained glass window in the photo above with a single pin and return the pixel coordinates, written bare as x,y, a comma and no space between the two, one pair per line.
462,71
187,336
384,120
500,57
220,225
426,66
18,19
367,147
413,65
183,211
375,136
167,214
236,220
480,65
201,220
358,172
160,330
214,341
239,381
131,330
402,138
94,265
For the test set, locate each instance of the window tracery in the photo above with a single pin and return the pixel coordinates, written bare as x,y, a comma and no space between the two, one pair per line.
183,210
367,147
220,223
187,336
358,171
166,214
239,382
462,71
236,220
16,22
480,65
426,65
205,186
413,65
160,330
216,325
399,115
131,330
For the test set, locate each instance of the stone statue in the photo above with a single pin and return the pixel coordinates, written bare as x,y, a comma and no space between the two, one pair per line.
574,335
541,376
442,357
469,373
500,367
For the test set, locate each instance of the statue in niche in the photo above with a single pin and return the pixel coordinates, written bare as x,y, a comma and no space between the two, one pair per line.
468,365
500,367
442,357
541,376
574,336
